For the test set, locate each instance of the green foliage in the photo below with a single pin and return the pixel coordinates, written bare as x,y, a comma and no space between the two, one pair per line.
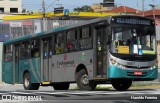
84,8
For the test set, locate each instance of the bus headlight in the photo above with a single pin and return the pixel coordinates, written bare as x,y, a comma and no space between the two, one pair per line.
120,66
114,62
153,67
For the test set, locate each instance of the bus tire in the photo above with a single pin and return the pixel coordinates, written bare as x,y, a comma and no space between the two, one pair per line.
27,83
83,82
121,84
61,86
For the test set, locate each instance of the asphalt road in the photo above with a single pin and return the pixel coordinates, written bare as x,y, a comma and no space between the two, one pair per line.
48,95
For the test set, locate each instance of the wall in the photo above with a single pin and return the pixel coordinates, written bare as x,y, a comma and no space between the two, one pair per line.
7,4
98,8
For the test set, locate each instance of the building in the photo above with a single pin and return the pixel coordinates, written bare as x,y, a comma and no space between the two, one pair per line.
151,13
97,7
123,10
10,6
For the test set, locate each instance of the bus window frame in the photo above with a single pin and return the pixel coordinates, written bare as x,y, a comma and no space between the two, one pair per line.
47,38
8,53
75,41
35,47
55,43
90,36
21,43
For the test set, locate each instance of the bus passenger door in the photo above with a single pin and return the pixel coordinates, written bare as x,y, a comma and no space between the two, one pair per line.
47,59
16,59
101,45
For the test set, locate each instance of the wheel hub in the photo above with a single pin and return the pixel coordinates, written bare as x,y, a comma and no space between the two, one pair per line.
84,79
26,82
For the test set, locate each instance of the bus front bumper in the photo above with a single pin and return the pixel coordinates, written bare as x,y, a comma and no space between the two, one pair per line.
116,73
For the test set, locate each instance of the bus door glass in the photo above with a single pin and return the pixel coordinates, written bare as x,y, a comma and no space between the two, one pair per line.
101,51
17,60
7,75
47,57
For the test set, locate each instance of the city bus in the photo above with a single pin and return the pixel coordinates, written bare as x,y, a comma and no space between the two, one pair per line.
115,49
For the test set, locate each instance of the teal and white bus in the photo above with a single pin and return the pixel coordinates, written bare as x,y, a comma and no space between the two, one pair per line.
114,49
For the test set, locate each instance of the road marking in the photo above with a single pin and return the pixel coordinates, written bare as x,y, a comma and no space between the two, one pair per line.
81,92
20,93
86,92
49,92
2,93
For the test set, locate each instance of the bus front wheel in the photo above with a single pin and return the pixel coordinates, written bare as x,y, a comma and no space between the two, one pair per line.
27,83
83,81
121,84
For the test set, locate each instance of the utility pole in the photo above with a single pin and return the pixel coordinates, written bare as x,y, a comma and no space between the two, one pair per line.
137,6
154,15
143,6
44,27
44,15
100,7
124,7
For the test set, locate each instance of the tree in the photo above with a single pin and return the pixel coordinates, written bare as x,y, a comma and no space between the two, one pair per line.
84,8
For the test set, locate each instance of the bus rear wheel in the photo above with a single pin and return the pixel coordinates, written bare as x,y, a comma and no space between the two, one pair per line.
83,81
61,86
121,84
27,83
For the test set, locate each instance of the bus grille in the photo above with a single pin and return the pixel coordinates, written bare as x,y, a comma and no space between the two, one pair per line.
135,67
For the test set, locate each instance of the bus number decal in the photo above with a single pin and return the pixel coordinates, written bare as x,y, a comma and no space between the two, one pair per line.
83,57
65,63
130,63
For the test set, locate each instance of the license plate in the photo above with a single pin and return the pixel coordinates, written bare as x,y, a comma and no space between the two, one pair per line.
137,73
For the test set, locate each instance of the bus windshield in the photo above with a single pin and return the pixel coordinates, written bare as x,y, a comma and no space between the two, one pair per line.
129,39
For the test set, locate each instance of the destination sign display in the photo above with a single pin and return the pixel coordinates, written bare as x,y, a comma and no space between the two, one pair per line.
134,21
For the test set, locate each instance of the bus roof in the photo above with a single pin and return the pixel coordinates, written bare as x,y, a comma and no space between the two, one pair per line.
55,30
83,23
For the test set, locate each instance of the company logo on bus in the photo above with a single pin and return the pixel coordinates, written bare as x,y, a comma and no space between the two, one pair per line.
65,57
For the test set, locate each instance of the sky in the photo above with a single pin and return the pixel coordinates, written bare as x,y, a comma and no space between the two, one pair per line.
36,5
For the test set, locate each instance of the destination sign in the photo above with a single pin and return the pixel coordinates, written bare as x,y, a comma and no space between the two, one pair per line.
134,21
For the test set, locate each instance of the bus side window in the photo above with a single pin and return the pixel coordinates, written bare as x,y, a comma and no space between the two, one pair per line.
85,41
8,53
71,43
35,48
59,43
25,50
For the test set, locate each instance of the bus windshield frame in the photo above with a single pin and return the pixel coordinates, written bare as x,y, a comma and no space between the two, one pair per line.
130,40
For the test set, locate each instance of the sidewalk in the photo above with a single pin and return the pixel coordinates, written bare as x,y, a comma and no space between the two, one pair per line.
10,87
